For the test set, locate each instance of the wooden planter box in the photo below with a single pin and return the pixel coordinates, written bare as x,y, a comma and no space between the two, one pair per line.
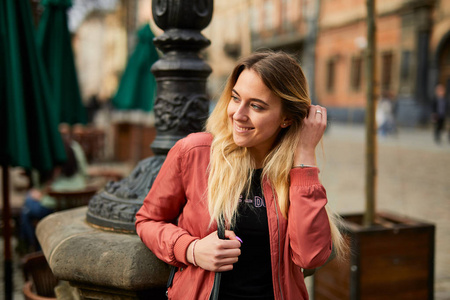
393,259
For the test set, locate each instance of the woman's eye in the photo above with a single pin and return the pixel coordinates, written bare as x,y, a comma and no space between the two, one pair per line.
234,98
257,107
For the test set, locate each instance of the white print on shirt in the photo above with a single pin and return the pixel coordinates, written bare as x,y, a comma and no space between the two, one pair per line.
256,201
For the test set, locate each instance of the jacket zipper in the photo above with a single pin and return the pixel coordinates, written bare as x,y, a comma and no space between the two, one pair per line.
279,247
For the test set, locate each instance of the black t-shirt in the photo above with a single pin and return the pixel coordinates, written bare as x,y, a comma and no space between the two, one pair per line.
251,277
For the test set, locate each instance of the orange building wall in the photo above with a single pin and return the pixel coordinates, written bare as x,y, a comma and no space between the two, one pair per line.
343,44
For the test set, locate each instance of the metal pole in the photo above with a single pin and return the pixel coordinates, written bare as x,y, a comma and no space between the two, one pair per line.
371,142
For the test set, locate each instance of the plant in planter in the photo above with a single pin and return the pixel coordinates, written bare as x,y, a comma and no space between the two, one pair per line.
390,257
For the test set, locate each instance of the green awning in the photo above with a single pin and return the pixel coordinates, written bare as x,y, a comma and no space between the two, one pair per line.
55,44
28,118
137,88
29,135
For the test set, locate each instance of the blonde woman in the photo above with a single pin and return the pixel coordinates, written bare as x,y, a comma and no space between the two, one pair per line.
252,172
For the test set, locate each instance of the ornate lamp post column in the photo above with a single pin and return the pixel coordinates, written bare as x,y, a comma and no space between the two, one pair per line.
103,257
181,106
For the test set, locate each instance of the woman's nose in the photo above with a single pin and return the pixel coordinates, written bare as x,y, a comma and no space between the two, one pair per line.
240,114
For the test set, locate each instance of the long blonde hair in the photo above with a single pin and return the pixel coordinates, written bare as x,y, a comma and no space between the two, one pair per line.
231,166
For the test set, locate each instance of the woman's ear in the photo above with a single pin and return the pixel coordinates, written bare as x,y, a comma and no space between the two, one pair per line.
286,123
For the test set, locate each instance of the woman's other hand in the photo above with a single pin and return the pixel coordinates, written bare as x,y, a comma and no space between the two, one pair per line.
310,134
214,254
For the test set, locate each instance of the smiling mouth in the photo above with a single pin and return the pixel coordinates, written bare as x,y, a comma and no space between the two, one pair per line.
244,128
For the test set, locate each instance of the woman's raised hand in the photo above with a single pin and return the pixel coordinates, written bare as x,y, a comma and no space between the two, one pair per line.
214,254
313,128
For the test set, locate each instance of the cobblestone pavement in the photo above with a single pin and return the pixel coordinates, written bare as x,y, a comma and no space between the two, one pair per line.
413,181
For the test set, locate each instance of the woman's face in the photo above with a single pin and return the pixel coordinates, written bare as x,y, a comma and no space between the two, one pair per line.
255,114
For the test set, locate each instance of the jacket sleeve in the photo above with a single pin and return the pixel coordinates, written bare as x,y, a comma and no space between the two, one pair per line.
308,224
156,220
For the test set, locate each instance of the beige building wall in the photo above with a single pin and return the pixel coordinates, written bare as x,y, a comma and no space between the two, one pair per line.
144,15
100,48
228,31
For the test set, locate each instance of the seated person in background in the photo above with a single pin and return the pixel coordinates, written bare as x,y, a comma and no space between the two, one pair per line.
70,176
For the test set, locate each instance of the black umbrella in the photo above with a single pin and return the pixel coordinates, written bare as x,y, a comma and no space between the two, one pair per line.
28,121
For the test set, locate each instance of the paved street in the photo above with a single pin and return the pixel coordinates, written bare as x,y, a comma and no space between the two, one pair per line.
413,181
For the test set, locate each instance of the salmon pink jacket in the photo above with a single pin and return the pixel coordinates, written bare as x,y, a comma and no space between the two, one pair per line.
175,213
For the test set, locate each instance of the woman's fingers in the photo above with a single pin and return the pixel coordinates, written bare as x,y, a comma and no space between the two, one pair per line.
310,134
214,254
316,112
226,263
232,236
320,113
314,125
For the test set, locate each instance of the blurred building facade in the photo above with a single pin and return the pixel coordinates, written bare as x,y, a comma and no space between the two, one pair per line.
329,39
327,36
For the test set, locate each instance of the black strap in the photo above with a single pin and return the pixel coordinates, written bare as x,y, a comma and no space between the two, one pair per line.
218,275
173,270
221,229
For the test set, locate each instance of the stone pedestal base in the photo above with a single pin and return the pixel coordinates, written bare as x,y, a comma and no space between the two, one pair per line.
100,264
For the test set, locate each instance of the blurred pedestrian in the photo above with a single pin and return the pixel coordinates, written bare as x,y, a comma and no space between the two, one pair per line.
439,109
385,116
68,177
244,198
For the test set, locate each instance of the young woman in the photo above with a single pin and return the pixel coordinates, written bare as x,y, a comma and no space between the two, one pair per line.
254,171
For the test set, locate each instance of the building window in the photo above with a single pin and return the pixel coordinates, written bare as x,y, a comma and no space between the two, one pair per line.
386,70
356,73
331,70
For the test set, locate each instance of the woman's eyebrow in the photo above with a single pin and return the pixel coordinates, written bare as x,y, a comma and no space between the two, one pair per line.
252,99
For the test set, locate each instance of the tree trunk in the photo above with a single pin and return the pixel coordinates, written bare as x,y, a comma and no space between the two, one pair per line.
371,130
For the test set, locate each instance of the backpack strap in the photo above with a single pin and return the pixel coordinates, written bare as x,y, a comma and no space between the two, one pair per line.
218,275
